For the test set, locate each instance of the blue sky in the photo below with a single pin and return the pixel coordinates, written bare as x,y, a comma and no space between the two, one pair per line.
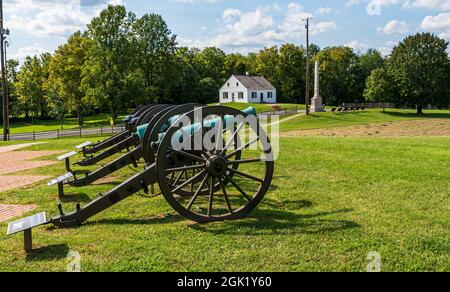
234,25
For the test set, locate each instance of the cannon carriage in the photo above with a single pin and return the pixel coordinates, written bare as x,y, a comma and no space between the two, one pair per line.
210,163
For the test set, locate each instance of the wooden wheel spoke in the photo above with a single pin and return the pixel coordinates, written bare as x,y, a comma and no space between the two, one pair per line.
238,187
244,161
192,179
228,145
189,206
178,179
188,155
225,194
211,197
184,168
242,148
249,176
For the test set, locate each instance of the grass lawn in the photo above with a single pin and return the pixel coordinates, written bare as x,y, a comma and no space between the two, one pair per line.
332,201
330,120
262,108
101,120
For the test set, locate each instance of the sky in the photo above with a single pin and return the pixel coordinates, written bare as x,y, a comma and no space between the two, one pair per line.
38,26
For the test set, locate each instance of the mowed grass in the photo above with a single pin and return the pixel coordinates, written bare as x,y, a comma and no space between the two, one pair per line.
102,120
332,201
263,108
330,120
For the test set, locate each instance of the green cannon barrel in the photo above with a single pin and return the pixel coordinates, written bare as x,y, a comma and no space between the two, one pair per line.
251,111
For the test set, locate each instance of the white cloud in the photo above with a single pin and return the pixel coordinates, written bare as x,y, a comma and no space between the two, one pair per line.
427,4
258,28
352,2
357,45
22,53
51,18
395,27
439,22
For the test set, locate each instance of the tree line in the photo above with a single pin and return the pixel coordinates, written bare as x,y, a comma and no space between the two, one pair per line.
122,61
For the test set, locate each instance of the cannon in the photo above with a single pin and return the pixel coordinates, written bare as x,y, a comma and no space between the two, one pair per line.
202,162
131,157
91,148
125,141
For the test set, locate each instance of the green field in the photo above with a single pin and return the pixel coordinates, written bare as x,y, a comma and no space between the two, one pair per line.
332,201
263,108
329,120
102,120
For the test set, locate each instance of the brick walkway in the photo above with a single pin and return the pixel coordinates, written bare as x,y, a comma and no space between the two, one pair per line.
15,161
8,212
5,149
10,182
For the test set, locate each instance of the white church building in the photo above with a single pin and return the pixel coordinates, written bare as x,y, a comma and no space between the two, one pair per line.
248,89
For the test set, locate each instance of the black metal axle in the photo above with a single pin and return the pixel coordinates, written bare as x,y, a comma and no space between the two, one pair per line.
125,144
138,182
130,158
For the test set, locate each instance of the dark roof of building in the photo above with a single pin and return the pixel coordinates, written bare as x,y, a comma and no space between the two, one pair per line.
254,82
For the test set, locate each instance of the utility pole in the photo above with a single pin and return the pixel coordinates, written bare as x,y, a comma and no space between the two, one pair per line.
4,32
307,65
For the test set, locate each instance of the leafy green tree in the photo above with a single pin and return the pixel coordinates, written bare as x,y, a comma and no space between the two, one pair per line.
65,76
380,87
13,69
235,64
418,66
371,60
267,64
292,62
338,68
30,88
155,47
211,63
109,59
186,90
208,91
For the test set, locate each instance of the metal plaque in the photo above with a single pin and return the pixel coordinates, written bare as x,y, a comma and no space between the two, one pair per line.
62,178
86,144
26,223
65,156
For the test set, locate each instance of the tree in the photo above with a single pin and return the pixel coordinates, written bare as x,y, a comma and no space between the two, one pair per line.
379,87
30,87
155,48
65,76
235,64
292,62
371,60
267,64
109,59
207,91
186,90
211,63
338,71
13,70
418,66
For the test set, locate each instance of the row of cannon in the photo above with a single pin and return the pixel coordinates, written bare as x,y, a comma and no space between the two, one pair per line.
210,163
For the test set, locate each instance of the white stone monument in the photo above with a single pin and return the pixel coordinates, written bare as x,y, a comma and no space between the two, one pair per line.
316,101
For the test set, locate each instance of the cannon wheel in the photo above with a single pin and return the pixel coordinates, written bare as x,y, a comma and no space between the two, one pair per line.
221,191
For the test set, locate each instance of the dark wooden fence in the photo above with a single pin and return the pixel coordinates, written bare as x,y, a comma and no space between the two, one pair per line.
70,133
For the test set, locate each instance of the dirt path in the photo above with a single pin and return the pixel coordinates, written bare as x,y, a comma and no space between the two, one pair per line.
415,128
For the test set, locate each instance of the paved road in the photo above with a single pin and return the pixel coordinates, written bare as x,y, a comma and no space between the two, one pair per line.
65,134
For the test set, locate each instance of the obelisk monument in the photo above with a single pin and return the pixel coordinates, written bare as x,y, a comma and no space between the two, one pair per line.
316,102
